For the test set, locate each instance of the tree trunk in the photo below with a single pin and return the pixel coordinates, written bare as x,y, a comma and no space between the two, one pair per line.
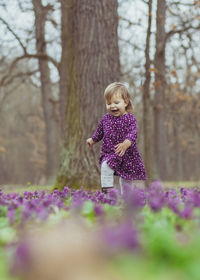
48,104
92,63
62,66
178,152
147,119
160,128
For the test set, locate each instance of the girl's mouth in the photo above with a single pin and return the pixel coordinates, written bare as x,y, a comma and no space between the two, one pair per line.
114,110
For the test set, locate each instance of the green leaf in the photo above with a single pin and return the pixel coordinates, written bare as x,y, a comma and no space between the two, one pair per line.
3,210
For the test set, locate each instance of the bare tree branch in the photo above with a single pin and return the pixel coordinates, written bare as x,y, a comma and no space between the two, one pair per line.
145,1
14,34
179,31
178,3
130,22
9,79
25,56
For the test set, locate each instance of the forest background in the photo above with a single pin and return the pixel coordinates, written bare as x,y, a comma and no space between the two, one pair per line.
46,115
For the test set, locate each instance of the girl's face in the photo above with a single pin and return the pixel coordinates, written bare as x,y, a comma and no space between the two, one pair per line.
116,106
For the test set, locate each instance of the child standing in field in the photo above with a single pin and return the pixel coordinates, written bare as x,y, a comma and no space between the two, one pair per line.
118,130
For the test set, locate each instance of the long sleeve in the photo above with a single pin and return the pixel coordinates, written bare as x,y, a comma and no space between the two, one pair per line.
132,134
99,133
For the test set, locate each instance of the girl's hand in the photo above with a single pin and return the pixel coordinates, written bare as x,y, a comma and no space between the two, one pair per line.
90,142
122,147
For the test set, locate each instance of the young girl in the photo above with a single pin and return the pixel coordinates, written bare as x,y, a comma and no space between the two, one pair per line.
118,129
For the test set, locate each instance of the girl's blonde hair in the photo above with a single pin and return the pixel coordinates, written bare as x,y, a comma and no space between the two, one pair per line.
119,88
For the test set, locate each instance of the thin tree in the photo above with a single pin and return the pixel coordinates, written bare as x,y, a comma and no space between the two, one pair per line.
147,119
160,128
51,127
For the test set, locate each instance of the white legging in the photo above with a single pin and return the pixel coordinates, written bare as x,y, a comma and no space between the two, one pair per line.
107,177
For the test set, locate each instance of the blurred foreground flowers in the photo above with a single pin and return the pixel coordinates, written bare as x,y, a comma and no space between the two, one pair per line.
67,251
75,234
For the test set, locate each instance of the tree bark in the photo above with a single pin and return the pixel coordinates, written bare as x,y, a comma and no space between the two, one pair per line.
160,128
147,118
48,104
92,63
178,153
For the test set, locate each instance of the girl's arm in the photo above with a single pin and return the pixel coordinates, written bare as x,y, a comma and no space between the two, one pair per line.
121,148
130,138
133,130
99,133
90,142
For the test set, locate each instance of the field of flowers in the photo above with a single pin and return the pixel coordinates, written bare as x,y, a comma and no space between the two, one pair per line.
73,234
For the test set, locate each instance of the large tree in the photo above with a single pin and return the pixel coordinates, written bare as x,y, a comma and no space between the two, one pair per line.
92,63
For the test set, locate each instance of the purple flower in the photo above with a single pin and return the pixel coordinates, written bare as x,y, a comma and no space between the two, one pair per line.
173,200
22,258
122,236
42,212
77,201
20,200
187,212
11,215
42,195
196,197
113,196
100,197
190,196
156,186
98,210
134,197
156,196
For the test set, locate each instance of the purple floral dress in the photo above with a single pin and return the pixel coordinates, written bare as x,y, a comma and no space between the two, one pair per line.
114,130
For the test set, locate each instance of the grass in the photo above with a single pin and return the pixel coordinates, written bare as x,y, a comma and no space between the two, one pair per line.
178,184
21,188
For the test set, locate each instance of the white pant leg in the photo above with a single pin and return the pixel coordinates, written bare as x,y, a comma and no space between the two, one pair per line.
123,182
107,176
